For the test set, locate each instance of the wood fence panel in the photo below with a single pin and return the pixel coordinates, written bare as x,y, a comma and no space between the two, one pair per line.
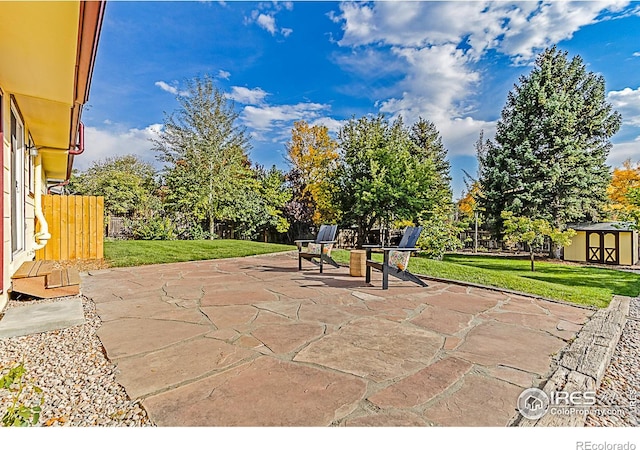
76,227
85,226
100,227
54,228
72,228
93,233
64,225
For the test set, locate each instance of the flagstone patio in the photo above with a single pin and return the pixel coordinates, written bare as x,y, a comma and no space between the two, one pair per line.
254,342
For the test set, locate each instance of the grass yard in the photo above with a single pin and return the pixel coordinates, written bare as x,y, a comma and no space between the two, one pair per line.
137,253
584,285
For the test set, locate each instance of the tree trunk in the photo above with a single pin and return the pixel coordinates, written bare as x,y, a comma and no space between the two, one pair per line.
475,238
212,226
533,269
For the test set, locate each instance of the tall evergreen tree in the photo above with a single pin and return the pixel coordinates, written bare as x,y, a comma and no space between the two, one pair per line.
548,159
428,144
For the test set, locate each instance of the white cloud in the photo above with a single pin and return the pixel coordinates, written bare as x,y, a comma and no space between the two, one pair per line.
267,117
171,88
435,47
267,22
332,124
622,151
223,74
265,17
247,96
115,141
627,103
166,87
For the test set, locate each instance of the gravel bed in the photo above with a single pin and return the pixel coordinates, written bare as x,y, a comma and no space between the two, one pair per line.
619,391
78,382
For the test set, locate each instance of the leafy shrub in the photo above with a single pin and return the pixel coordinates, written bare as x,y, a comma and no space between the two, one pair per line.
23,411
153,227
438,237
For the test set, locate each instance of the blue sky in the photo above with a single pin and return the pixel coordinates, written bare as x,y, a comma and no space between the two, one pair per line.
450,62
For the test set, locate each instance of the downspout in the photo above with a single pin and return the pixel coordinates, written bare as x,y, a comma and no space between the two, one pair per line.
41,237
75,149
79,148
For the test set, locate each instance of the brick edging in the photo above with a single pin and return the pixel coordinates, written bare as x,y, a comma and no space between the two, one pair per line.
583,363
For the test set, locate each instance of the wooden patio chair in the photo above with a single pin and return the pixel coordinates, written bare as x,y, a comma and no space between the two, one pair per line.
396,259
318,250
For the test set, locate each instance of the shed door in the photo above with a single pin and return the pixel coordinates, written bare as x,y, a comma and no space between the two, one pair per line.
610,248
594,252
602,247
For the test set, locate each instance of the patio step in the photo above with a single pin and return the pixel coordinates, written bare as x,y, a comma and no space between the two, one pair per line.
40,279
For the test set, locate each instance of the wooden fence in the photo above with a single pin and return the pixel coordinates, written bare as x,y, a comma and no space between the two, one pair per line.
76,224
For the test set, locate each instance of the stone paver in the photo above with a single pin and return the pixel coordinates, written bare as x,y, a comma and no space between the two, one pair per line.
266,392
255,342
442,320
480,402
493,343
155,371
375,349
423,385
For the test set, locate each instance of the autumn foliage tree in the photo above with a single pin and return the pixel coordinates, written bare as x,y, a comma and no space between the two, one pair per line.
312,156
624,181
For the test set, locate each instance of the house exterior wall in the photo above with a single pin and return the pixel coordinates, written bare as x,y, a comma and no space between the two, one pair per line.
577,251
12,261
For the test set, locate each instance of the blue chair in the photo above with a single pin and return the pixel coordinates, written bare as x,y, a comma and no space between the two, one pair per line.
318,250
395,259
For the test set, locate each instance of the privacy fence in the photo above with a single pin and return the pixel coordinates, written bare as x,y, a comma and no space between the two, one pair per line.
76,224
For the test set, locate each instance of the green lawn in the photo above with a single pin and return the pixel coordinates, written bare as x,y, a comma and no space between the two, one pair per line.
577,284
137,253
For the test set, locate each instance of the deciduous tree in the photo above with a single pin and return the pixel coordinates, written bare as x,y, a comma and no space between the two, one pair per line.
623,181
126,183
207,169
312,155
428,145
379,178
518,229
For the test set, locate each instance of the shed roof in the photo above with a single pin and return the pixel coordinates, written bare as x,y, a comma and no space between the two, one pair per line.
603,226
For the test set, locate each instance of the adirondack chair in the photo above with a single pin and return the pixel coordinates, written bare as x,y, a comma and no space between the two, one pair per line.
318,250
395,259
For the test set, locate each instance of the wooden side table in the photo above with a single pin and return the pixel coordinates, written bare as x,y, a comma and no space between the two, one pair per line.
357,263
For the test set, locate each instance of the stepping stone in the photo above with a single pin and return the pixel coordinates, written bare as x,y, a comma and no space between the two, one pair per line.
38,318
